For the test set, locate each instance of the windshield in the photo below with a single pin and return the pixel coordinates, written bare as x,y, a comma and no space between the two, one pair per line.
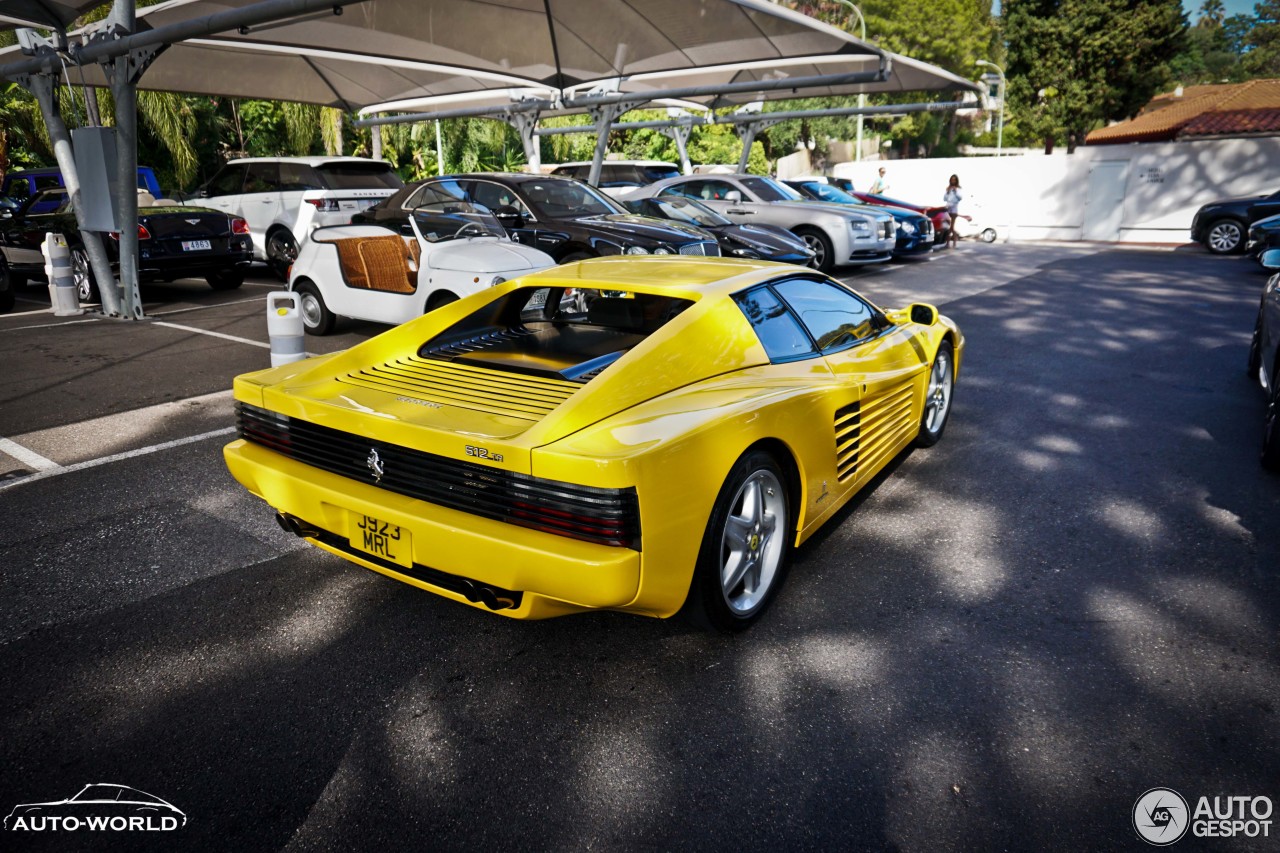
455,220
687,210
767,189
826,192
559,199
359,176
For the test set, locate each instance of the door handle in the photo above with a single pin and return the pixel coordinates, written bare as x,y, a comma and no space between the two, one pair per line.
267,200
741,212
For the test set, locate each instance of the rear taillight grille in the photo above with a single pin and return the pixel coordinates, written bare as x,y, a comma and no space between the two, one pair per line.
603,516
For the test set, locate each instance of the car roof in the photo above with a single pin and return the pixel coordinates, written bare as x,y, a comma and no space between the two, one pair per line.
620,163
685,277
310,161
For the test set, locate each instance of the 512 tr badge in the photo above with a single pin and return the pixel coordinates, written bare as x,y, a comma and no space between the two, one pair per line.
483,453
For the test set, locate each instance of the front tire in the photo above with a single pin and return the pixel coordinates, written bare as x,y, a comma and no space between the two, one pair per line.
823,252
317,319
225,279
1225,237
988,235
439,299
937,397
282,251
577,256
745,549
82,273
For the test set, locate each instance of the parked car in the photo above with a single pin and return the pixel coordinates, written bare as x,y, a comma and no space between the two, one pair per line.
372,273
1264,359
837,235
914,230
268,193
567,219
765,242
661,442
1221,226
175,241
24,183
1263,234
618,176
937,213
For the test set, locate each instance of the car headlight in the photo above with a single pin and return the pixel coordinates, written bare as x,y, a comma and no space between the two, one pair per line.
636,250
906,228
743,253
496,280
860,226
662,250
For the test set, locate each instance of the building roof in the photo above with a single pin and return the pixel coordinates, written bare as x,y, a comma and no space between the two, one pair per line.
1225,109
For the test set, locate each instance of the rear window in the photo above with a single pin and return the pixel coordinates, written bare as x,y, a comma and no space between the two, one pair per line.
556,332
359,176
658,173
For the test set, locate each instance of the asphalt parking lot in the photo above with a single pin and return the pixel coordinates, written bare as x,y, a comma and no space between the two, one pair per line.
1071,600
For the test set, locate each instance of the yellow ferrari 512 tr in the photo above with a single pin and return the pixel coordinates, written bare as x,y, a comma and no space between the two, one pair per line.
638,434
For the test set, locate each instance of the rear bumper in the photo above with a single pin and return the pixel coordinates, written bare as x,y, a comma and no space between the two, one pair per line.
552,575
179,267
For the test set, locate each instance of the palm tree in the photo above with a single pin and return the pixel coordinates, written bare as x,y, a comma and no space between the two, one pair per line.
1212,14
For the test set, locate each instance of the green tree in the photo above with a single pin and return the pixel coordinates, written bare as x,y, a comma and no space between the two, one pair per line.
1263,39
1074,64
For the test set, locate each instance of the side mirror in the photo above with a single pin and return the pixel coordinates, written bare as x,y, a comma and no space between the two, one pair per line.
406,229
202,193
508,216
1270,259
733,195
922,313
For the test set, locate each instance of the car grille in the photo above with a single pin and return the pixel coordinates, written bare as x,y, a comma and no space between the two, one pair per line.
886,229
709,248
848,433
494,392
603,516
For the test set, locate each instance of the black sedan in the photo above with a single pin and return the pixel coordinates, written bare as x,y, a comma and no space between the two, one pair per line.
567,219
1221,226
174,242
1263,234
1264,359
914,230
765,242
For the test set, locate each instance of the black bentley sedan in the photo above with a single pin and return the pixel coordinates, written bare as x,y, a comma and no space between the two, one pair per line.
1263,234
915,236
174,241
1221,226
765,242
567,219
1264,358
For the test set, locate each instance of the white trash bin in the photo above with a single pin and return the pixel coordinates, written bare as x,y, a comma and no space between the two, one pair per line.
284,328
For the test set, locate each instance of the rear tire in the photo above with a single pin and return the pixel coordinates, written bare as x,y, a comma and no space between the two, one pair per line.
577,256
317,319
938,396
282,251
823,251
225,279
86,285
988,235
745,548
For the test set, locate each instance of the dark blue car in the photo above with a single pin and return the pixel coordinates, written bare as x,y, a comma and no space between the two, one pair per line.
24,183
914,230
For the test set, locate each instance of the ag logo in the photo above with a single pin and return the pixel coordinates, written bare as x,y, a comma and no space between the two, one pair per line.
1160,816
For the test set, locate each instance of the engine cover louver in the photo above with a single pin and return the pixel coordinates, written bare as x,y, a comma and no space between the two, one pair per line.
496,392
848,437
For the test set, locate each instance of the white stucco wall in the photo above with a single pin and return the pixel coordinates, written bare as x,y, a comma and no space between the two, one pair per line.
1032,196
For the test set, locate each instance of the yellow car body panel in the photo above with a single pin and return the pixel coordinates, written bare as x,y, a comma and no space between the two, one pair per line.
669,419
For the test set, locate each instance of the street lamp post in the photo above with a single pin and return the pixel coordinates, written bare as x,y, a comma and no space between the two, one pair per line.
982,63
862,98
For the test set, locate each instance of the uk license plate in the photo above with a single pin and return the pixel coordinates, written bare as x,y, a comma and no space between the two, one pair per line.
380,539
196,246
348,205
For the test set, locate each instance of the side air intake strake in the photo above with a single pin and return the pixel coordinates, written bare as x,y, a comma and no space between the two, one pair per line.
603,516
848,439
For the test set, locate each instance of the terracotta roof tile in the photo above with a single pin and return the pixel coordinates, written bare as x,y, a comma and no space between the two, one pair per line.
1217,110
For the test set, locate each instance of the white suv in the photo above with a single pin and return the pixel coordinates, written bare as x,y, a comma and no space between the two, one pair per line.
269,192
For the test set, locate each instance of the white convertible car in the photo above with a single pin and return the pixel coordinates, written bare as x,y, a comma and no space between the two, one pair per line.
450,249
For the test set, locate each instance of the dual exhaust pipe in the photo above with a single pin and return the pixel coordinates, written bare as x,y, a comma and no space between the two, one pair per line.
473,591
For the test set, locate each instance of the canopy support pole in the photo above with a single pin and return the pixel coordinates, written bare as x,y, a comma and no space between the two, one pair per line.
526,124
680,133
44,87
602,116
747,132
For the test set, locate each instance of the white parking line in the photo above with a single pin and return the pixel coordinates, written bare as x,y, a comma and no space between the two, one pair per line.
213,334
118,457
51,325
207,307
26,456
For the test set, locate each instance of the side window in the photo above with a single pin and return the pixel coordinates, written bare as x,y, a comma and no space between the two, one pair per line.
48,182
834,317
19,188
296,177
263,178
226,182
688,189
715,190
494,196
778,330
